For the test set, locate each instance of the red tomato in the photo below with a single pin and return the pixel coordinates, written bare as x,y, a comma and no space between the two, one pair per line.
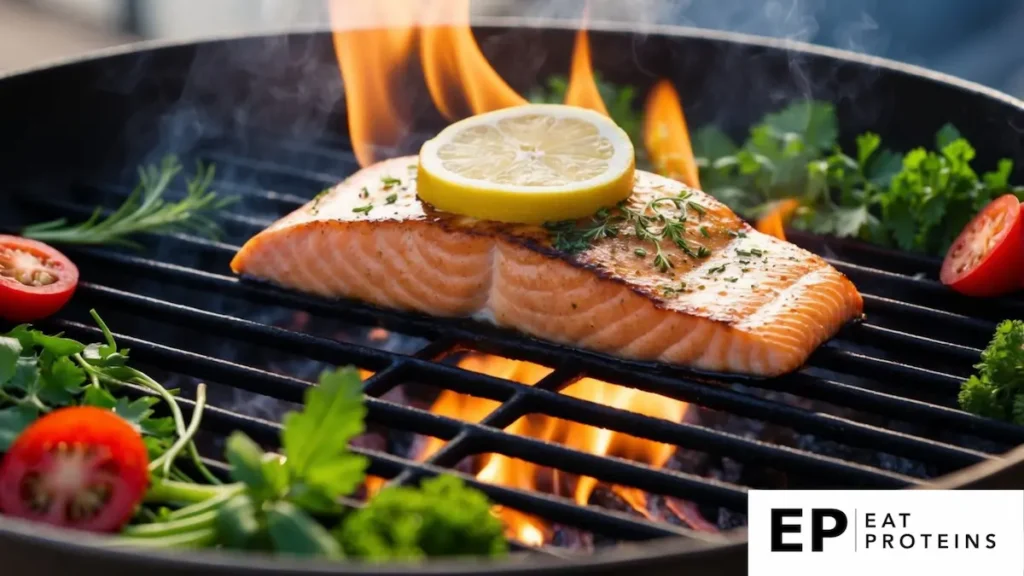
83,468
35,280
988,256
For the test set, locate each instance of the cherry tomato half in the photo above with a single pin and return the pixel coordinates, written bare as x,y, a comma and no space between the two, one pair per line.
83,468
988,256
35,280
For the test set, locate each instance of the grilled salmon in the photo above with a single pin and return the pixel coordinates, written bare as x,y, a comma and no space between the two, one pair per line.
712,294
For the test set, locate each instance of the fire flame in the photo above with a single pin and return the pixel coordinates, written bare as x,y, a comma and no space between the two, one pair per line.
510,472
460,80
582,90
666,137
374,43
775,220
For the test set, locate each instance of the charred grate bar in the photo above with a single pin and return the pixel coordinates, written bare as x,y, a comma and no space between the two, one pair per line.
885,386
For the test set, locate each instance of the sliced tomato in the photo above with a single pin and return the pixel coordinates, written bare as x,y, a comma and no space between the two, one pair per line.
83,468
35,279
987,257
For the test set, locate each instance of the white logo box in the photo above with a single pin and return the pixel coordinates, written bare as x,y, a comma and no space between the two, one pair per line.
900,532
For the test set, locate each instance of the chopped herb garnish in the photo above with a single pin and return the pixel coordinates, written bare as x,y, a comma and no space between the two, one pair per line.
717,269
391,199
732,279
662,262
389,181
364,193
316,200
752,252
704,232
363,209
696,207
650,223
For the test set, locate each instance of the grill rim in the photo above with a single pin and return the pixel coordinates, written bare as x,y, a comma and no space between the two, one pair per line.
18,537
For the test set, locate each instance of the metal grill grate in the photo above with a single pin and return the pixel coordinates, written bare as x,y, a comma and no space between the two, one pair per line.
885,387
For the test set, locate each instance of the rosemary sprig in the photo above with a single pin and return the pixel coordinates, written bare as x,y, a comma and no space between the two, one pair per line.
649,223
144,211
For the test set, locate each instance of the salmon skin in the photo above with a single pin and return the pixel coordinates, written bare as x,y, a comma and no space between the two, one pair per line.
723,298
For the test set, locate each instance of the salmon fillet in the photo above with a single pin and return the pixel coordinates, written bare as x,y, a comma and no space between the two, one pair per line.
734,301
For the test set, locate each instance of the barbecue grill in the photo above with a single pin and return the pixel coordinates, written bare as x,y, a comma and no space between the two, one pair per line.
874,408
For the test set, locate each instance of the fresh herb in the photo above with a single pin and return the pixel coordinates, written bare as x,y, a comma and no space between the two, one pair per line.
389,181
364,193
391,199
441,518
144,211
363,209
40,373
997,390
316,200
917,202
658,221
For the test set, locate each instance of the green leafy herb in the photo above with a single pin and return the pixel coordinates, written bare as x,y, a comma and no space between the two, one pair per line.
13,420
997,390
316,439
363,209
391,199
441,518
144,211
918,202
40,373
389,181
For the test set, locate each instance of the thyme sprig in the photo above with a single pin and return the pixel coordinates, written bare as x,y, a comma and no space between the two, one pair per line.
146,210
649,223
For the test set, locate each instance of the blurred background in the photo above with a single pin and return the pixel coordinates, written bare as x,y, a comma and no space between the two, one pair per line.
979,40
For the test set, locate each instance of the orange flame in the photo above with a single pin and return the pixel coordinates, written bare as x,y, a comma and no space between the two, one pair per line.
506,471
374,41
458,75
582,90
775,220
666,137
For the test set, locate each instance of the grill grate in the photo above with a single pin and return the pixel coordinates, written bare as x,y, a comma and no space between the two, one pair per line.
885,387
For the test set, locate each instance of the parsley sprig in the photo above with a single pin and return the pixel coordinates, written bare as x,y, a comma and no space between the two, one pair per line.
290,503
918,202
40,373
997,390
146,210
651,223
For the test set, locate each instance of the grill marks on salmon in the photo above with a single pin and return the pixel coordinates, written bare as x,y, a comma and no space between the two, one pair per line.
757,305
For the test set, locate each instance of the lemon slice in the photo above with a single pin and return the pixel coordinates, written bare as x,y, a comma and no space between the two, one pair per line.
531,164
